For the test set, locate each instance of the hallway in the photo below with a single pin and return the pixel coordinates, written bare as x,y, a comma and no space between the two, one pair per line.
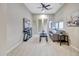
33,48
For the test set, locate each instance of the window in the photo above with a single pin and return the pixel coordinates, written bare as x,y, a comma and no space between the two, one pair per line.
50,24
61,25
54,26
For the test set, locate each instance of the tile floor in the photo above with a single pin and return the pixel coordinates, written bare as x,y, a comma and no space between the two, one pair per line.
34,48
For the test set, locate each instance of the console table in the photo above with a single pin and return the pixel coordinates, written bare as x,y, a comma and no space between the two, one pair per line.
43,35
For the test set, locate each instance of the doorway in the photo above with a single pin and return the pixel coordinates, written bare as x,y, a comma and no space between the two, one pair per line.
42,25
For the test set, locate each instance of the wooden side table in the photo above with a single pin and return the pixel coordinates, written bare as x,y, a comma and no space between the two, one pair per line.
64,38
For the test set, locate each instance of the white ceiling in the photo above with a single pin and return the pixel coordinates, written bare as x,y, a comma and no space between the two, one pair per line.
33,7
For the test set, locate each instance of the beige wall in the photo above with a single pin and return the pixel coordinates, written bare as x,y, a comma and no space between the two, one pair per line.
16,12
64,14
2,29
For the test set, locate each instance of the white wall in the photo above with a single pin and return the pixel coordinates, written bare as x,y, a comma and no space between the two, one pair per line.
2,29
16,12
64,14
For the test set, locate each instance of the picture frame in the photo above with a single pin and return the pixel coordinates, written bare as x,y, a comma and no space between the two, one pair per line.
74,22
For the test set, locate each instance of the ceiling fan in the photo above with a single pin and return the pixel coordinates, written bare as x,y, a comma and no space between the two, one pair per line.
45,6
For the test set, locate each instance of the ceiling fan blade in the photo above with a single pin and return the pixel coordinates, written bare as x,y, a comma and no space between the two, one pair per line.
42,4
46,8
47,5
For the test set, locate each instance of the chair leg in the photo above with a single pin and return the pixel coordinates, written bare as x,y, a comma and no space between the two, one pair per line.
67,41
40,39
60,42
46,39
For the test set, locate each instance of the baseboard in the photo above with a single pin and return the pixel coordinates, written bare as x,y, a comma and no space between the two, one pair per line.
75,48
13,47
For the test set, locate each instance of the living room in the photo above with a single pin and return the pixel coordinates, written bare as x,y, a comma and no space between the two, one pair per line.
49,23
